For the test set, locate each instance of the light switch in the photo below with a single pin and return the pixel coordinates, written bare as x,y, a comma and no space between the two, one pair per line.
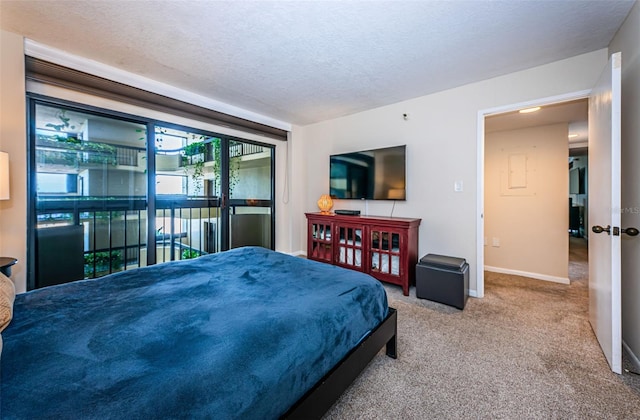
457,186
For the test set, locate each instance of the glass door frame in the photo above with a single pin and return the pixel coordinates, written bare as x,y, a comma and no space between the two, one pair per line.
229,203
224,202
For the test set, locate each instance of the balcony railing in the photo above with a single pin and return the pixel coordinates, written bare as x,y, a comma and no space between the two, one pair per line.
114,229
114,233
110,233
245,149
72,154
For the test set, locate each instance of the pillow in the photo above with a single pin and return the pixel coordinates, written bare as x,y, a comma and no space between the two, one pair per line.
7,296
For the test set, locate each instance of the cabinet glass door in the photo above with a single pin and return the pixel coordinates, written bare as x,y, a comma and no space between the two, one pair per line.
320,241
349,253
385,248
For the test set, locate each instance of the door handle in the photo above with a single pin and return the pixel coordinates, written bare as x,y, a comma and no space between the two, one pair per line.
631,231
600,229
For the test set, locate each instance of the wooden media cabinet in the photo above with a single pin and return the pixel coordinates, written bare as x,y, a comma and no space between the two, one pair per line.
384,247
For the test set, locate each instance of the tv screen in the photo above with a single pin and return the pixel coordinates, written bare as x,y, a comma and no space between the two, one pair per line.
378,174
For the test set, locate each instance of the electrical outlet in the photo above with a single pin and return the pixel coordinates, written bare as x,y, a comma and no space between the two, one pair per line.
496,242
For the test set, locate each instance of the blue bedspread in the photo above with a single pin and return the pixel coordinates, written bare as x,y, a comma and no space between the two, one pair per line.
240,334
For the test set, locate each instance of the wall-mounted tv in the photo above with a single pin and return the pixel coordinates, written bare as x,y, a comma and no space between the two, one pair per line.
378,174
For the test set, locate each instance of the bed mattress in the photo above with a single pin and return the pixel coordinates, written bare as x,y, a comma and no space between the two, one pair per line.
239,334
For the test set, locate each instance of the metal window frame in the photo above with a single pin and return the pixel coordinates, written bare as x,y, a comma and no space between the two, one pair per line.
151,124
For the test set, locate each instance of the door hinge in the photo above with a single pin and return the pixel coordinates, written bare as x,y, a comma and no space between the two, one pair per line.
616,231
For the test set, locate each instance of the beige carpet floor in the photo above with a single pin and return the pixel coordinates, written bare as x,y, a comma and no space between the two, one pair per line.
524,351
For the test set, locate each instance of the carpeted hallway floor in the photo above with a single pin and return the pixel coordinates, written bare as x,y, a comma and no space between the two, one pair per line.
524,351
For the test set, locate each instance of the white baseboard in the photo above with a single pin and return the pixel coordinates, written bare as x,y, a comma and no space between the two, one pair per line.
632,357
537,276
299,253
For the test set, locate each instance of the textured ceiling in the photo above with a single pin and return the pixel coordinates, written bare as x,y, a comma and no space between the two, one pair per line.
308,61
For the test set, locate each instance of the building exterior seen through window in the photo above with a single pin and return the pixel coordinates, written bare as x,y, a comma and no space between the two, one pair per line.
92,195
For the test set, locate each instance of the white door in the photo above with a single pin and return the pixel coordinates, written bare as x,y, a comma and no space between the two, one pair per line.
605,307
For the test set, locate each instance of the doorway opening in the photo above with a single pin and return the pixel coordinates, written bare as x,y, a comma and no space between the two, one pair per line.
520,180
578,209
578,172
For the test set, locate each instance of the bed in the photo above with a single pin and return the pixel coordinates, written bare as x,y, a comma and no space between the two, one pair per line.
247,333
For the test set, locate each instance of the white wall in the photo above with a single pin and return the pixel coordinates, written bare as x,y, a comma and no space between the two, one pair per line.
116,182
627,40
528,219
13,214
441,137
252,181
297,188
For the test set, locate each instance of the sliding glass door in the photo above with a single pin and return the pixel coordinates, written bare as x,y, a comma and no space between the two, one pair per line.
188,200
212,193
90,194
250,213
96,181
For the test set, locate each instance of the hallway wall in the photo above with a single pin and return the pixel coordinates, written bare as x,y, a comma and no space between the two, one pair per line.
526,204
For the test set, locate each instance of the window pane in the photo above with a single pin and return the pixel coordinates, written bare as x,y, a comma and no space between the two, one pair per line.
193,157
91,175
250,186
249,171
170,184
56,183
187,181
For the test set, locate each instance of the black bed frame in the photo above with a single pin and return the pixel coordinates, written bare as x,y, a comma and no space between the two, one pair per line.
326,392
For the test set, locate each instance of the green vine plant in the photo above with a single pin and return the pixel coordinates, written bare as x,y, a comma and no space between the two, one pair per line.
101,261
194,156
65,122
193,162
66,147
62,127
234,167
188,254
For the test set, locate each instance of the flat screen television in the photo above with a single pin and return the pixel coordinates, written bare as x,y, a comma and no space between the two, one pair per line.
378,174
